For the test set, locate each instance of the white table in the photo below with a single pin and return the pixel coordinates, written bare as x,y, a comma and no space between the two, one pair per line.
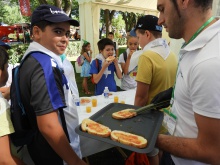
90,146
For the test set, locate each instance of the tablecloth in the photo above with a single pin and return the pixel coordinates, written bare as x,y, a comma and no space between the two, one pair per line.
90,146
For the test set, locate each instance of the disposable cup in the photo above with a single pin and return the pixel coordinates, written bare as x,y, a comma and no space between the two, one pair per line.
116,99
94,102
88,109
122,99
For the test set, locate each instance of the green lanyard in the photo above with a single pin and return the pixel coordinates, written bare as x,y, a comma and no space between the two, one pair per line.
199,31
191,39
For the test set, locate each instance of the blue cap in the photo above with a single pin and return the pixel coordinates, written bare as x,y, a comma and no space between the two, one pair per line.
133,33
52,14
5,45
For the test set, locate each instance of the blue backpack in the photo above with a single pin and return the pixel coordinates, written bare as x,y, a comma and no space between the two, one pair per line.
22,120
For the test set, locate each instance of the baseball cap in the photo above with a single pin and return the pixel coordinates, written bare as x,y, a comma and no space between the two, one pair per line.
52,14
148,22
133,33
5,45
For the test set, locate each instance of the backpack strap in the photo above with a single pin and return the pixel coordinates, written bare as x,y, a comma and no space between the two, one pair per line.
115,46
125,58
125,55
97,64
63,120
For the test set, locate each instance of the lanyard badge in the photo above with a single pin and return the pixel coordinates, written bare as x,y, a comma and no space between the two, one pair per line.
169,121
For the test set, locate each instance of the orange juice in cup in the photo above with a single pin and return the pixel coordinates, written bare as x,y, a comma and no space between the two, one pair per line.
88,109
122,99
94,102
116,99
122,102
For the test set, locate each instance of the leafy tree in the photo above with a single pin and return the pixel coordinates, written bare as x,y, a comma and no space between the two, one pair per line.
108,16
119,24
10,14
130,19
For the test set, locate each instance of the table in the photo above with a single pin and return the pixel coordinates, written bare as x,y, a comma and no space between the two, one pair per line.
90,146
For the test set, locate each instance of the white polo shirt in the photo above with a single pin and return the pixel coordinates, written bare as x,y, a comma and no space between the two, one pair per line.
197,85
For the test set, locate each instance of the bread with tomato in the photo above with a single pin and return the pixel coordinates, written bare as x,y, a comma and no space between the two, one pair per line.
129,139
110,58
95,128
124,114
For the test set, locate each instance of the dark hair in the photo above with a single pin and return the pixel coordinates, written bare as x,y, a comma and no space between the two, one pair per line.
154,33
84,47
103,42
111,33
204,4
42,25
3,58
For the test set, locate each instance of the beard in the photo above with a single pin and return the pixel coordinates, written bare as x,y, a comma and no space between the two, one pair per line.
176,27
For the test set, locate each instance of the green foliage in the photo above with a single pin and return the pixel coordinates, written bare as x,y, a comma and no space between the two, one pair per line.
121,40
75,10
11,14
118,22
73,49
16,53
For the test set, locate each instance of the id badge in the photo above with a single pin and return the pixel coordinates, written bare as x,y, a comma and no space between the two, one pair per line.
169,121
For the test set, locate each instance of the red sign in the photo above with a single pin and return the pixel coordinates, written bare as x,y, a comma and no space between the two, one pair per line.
25,7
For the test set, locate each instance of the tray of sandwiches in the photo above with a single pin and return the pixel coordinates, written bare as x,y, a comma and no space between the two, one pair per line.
136,133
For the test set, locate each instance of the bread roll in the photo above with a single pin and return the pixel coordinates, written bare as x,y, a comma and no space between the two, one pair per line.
95,128
110,58
129,139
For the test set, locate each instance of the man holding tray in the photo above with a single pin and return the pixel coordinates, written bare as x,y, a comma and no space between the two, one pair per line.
194,120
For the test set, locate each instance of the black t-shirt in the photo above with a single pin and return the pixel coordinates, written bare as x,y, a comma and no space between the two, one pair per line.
41,93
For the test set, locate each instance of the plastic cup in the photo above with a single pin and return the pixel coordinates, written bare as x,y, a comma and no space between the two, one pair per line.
88,109
122,99
116,99
94,102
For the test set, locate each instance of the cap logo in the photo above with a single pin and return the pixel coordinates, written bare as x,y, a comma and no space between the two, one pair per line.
140,25
57,12
159,28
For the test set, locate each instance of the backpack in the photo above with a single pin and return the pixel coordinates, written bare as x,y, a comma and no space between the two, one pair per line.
80,60
22,120
125,55
97,66
137,159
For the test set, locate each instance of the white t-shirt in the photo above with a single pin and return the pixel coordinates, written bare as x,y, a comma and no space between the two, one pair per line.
10,67
70,75
128,81
197,85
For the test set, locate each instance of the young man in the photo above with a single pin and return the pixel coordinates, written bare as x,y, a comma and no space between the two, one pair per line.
111,37
6,126
104,73
156,66
45,89
196,137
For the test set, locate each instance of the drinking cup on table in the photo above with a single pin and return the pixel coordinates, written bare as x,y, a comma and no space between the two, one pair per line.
122,99
94,102
88,108
115,98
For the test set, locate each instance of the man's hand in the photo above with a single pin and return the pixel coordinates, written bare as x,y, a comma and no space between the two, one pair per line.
163,96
